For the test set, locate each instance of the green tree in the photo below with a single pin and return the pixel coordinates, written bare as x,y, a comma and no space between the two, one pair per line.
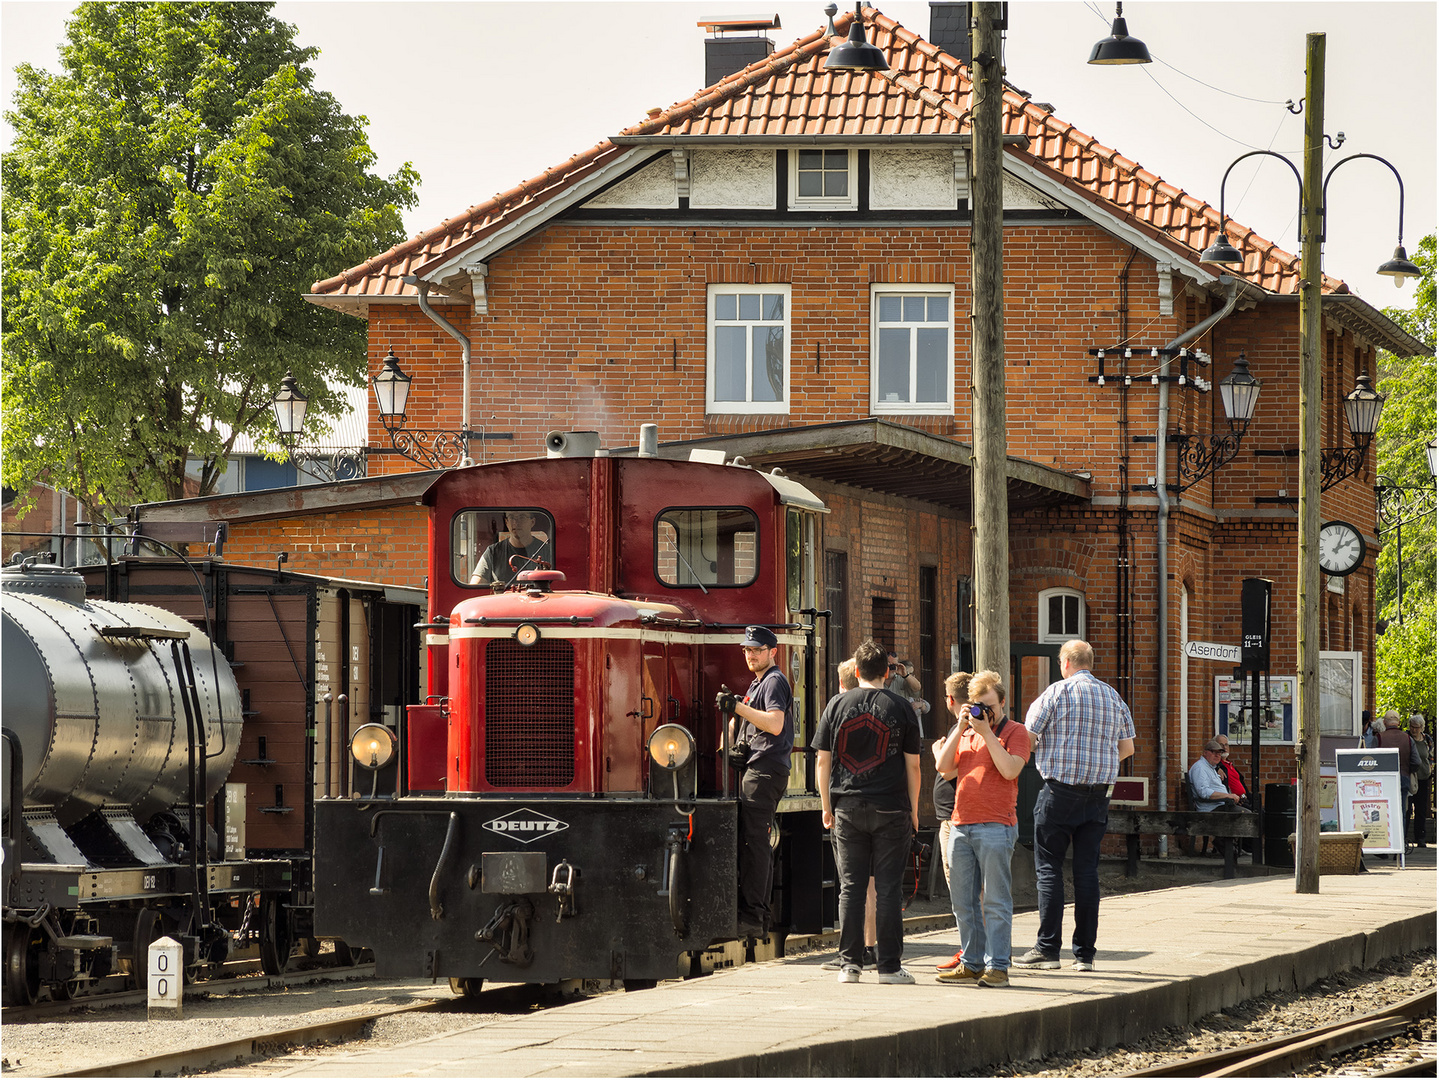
1405,657
169,199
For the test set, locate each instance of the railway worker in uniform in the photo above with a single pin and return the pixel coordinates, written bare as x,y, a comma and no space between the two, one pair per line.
867,767
494,565
1082,730
765,720
988,753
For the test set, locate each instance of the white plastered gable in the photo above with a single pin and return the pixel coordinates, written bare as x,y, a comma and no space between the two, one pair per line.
651,188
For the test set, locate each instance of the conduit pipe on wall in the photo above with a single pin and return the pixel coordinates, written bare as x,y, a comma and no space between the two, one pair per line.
423,287
1161,489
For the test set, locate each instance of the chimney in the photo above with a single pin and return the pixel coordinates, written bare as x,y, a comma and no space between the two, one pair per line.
949,28
735,43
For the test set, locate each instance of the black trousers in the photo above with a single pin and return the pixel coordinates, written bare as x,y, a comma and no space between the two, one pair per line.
759,794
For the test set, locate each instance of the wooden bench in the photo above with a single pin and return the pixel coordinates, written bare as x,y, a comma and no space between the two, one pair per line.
1228,827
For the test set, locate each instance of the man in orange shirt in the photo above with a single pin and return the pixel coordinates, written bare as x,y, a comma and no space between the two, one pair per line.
989,751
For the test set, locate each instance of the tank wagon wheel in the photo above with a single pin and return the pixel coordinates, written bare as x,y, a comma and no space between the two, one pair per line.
275,937
22,968
344,955
311,946
467,986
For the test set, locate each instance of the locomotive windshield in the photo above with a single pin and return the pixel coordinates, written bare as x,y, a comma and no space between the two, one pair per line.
496,544
706,546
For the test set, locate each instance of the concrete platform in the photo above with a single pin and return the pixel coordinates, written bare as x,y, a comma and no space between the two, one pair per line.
1165,957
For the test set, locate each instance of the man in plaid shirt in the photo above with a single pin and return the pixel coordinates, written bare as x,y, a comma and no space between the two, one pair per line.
1082,729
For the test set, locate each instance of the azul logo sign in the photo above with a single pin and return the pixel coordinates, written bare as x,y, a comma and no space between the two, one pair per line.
1367,763
526,826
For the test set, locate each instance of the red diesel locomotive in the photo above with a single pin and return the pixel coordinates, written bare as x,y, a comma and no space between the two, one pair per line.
559,808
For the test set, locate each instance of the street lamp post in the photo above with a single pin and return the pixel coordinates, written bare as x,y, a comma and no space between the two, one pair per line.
1313,218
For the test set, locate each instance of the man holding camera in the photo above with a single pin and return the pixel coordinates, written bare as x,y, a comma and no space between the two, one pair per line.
867,768
764,720
988,752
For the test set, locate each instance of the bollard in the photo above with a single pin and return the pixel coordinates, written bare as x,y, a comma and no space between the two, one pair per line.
167,979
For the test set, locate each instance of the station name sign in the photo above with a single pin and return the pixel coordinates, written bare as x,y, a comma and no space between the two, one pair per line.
1209,650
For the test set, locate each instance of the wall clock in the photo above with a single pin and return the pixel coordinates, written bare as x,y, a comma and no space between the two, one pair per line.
1341,548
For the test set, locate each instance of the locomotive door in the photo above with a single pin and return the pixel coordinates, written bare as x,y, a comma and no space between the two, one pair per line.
802,595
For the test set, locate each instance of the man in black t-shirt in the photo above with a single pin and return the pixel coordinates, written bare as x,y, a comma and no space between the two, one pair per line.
867,765
765,719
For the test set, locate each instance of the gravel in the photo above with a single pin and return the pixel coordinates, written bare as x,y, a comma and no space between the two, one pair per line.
1348,994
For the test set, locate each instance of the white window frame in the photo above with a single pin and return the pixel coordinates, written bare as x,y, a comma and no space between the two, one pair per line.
848,201
772,408
922,408
1047,635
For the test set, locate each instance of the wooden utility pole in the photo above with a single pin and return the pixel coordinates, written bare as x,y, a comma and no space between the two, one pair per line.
1306,862
990,505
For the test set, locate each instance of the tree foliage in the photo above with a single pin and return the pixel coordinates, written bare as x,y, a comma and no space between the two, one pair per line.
169,199
1405,660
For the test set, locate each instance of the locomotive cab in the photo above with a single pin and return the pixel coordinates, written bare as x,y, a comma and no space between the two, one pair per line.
566,811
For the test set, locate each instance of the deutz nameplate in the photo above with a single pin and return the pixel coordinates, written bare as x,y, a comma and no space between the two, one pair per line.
525,825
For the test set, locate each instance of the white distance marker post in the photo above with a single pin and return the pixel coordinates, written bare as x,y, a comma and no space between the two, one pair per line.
167,978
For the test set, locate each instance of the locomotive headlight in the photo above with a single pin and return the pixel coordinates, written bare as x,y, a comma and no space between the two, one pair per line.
373,746
527,634
671,746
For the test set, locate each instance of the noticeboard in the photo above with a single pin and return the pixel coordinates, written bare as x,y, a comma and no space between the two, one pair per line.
1276,710
1370,797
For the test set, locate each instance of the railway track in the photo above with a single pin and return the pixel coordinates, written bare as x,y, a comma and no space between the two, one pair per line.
1287,1055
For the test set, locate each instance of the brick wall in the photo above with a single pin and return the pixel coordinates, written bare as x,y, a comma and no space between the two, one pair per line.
384,545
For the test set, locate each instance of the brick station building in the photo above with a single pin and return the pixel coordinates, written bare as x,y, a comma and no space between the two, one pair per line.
779,268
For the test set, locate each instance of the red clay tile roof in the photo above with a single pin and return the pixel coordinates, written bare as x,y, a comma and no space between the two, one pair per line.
926,92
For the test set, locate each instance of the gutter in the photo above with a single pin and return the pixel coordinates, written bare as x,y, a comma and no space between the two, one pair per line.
1161,489
444,324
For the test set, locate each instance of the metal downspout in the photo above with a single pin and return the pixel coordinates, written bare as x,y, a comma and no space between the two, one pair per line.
1161,489
423,287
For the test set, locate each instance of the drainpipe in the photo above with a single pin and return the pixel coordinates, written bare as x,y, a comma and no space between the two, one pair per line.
444,324
1161,489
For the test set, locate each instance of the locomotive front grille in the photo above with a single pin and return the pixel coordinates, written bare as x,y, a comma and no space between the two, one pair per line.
529,714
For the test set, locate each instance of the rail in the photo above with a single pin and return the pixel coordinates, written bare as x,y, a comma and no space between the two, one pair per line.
1287,1054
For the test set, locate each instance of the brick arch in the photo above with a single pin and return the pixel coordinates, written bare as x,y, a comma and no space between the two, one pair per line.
1059,560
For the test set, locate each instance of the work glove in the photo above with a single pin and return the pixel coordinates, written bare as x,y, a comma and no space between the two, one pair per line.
725,701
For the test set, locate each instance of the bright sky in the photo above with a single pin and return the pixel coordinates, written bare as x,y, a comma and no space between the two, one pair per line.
482,95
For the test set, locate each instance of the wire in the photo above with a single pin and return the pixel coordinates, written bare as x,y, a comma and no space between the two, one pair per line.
1261,101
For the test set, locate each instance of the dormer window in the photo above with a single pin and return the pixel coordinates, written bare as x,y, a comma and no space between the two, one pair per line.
823,179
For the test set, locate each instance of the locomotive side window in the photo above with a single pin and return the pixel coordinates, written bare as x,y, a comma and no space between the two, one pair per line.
704,546
495,544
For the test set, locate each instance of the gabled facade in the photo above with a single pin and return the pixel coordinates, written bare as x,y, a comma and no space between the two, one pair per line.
779,267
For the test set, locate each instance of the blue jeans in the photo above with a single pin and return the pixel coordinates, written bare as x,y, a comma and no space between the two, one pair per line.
979,858
1064,816
869,842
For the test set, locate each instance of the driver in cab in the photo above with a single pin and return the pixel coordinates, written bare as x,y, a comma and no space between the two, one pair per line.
494,567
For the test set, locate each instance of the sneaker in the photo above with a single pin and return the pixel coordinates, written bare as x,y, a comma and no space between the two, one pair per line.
832,964
961,976
993,977
900,977
850,974
950,964
1036,959
870,961
1082,965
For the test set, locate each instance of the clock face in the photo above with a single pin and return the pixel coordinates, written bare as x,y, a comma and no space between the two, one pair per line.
1341,548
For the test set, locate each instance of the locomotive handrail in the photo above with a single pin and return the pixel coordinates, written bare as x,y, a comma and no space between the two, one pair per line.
767,626
539,620
16,837
437,624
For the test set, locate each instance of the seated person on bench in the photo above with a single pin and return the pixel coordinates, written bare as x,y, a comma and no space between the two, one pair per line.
1207,779
1233,778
